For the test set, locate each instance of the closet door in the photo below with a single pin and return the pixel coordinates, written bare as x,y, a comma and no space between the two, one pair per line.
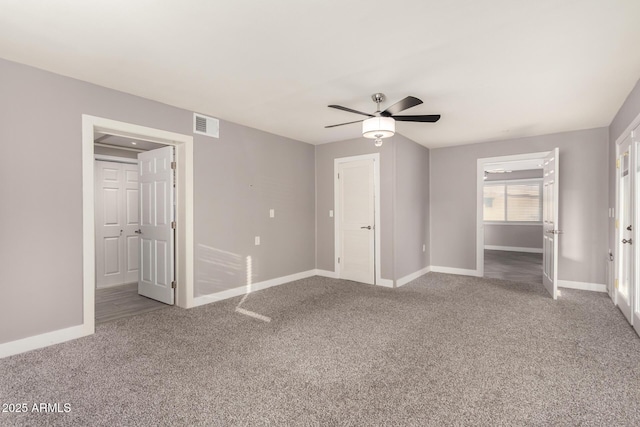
117,213
109,226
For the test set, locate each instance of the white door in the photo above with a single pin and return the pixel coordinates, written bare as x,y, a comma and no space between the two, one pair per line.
550,222
355,221
116,207
156,224
624,230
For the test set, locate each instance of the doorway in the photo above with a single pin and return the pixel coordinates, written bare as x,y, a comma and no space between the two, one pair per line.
357,218
129,276
184,214
511,218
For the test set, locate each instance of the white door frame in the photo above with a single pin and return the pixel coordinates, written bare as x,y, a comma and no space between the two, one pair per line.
184,218
480,200
337,208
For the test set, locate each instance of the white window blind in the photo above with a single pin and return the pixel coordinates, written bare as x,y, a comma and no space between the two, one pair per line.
513,201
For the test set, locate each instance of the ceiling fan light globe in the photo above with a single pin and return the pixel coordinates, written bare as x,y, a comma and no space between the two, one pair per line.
378,127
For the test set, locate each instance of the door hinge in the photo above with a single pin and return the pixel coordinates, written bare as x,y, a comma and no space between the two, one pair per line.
173,165
616,283
338,176
173,284
617,163
338,260
617,224
173,225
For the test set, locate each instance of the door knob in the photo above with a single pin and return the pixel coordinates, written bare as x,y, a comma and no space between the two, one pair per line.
627,241
368,227
138,231
629,228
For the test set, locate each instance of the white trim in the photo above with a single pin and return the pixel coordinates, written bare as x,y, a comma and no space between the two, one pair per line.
513,249
246,289
584,286
43,340
411,277
458,271
479,272
336,223
326,273
635,123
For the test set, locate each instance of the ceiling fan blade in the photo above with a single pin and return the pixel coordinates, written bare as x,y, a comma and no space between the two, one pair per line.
342,124
429,119
408,102
340,107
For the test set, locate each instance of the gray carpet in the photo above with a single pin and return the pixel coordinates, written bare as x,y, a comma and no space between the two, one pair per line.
442,350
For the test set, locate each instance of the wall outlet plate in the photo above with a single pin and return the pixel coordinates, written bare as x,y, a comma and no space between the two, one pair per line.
257,240
272,213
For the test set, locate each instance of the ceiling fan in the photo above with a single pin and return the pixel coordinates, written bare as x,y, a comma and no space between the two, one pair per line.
381,124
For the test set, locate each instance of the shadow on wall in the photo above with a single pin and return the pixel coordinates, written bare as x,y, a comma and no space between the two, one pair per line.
218,270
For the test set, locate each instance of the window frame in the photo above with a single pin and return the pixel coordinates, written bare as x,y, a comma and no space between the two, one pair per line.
505,183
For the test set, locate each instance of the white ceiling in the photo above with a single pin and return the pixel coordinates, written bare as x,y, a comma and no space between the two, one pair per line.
494,69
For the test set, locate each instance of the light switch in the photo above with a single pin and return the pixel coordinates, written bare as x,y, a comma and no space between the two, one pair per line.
272,213
424,248
331,214
257,240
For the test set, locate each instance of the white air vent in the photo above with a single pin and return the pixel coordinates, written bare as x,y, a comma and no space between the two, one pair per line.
204,125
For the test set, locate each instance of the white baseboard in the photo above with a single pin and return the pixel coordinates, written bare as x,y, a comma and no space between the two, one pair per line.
513,249
584,286
326,273
413,276
451,270
241,290
43,340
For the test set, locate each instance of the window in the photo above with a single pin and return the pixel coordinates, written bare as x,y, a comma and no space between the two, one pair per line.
513,201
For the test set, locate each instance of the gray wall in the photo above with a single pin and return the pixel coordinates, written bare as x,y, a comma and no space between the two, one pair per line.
583,200
108,151
237,179
514,235
411,207
404,199
524,174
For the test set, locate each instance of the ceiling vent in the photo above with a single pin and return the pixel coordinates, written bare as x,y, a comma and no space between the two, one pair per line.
204,125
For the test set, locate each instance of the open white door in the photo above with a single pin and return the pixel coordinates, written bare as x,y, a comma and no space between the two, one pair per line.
356,221
157,224
550,223
624,230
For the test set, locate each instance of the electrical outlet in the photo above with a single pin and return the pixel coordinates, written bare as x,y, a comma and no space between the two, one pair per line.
257,240
272,213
